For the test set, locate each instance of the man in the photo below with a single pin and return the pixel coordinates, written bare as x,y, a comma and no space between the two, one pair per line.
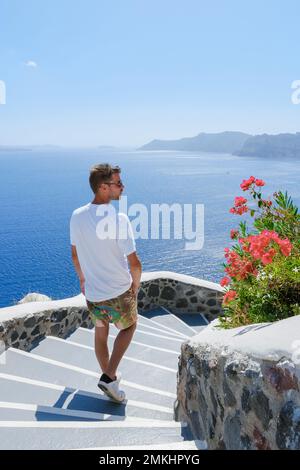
101,261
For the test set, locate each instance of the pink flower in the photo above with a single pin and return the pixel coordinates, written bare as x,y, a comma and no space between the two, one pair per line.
266,203
241,210
226,252
237,266
245,185
256,254
261,246
259,182
238,210
229,296
285,247
234,234
239,201
267,258
225,281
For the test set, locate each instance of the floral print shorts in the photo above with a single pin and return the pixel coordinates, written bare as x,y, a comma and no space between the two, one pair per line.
121,311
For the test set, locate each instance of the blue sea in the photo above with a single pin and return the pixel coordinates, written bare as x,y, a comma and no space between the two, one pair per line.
40,189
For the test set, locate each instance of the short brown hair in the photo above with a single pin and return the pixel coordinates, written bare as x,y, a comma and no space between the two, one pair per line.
101,173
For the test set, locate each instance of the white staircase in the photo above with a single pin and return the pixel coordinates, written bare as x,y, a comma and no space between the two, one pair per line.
49,397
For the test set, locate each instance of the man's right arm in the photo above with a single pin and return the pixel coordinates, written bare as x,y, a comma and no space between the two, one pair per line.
135,267
78,268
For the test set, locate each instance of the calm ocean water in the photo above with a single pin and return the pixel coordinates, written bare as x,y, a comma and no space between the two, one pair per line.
39,191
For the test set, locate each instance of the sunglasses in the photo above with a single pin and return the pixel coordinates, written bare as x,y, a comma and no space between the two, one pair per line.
119,184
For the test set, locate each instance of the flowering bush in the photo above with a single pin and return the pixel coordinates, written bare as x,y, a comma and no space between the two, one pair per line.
262,282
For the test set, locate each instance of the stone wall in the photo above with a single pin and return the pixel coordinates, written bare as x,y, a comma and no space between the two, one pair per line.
180,293
239,388
24,332
24,325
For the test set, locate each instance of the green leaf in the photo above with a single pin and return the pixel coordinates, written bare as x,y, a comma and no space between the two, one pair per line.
243,229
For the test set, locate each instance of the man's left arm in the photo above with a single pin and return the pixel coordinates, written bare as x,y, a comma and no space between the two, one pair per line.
135,267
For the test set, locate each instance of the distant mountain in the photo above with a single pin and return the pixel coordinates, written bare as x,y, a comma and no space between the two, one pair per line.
106,147
46,146
272,146
27,148
10,148
223,142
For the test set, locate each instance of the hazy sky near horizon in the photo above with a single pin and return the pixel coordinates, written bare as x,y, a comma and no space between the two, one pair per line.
123,72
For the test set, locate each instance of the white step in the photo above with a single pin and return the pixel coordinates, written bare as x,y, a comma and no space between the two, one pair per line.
179,323
49,397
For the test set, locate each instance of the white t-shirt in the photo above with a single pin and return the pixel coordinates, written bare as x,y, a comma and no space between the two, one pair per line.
103,239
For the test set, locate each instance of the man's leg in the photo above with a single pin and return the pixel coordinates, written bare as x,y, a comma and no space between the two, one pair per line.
101,347
121,344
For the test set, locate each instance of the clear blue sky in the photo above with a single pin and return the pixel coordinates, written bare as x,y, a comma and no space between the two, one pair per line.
128,71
